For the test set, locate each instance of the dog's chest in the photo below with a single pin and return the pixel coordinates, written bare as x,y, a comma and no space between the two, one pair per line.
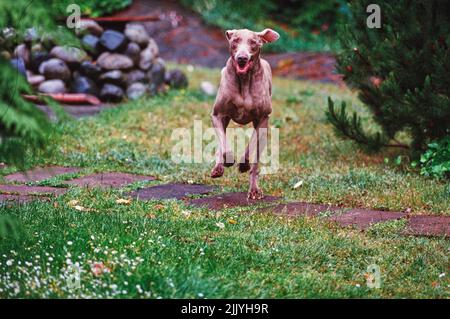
249,106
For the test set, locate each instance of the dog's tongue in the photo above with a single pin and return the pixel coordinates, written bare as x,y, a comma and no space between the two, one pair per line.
244,69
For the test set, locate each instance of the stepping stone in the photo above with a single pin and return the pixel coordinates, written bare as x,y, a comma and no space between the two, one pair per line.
6,198
227,200
363,218
428,225
301,209
40,173
171,191
110,179
24,193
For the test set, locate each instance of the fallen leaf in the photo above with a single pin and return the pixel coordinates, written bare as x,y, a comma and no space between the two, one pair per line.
82,208
232,221
123,201
298,184
73,202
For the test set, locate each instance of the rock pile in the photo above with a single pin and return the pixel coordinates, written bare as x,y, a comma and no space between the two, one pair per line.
111,65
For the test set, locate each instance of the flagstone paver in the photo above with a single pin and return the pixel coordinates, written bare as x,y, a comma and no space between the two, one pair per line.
171,191
31,190
227,200
19,199
364,218
427,225
24,193
295,209
40,173
108,179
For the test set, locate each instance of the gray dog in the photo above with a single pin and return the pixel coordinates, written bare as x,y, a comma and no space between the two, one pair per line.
244,96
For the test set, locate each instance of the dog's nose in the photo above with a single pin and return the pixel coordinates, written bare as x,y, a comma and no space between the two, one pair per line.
242,60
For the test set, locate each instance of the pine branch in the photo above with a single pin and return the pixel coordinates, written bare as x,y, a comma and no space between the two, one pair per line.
351,128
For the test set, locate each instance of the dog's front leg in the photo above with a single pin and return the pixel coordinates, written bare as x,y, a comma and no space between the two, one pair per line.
224,157
257,144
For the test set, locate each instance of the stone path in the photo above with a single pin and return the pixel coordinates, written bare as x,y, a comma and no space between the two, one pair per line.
171,191
358,218
76,111
228,200
40,173
364,218
108,180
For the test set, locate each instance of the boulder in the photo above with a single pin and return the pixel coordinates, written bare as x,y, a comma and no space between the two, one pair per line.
113,41
111,93
70,55
55,69
90,70
115,77
91,27
147,57
22,52
176,79
133,51
52,87
208,88
136,91
19,65
91,44
35,80
5,55
136,76
82,84
137,33
37,48
113,61
156,75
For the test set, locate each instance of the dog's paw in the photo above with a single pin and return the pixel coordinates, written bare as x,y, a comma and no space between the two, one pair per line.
217,171
255,193
228,159
244,166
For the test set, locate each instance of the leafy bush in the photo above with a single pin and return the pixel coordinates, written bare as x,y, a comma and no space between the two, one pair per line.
400,71
435,161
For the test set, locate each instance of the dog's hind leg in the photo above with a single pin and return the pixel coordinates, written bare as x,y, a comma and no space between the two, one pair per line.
257,144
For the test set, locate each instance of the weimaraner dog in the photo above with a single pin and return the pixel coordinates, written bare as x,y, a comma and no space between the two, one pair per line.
244,96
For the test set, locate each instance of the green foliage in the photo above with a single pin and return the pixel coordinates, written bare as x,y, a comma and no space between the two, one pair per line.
307,25
94,8
399,70
23,128
350,127
435,161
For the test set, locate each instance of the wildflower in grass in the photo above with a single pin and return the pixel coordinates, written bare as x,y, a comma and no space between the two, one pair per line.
98,268
9,262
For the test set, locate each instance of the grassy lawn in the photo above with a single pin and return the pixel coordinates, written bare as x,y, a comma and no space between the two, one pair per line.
166,249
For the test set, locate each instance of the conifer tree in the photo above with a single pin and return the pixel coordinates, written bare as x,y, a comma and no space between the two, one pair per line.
400,71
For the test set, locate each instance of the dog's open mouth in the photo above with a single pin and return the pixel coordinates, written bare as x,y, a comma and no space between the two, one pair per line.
242,68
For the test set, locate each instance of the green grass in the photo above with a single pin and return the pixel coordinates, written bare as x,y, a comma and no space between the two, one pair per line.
166,249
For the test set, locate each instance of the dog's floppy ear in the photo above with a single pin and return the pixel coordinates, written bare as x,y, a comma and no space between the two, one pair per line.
229,33
268,35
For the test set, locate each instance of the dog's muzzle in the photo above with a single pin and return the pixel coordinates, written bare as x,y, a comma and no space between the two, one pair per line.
243,64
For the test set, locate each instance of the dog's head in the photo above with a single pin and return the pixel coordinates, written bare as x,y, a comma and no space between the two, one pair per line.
245,47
